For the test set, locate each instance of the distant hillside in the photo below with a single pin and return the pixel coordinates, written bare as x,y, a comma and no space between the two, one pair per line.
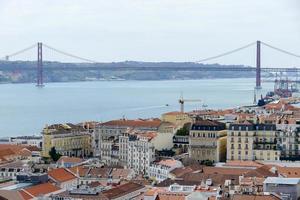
25,71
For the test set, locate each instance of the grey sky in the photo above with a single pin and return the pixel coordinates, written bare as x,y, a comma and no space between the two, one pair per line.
153,30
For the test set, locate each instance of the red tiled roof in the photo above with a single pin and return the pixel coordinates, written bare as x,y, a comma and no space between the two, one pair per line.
133,123
100,172
25,195
82,171
171,196
122,190
262,172
68,159
225,170
10,194
289,172
5,153
240,163
254,197
61,175
38,190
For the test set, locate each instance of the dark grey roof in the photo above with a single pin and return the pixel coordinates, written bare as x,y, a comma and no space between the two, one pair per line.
252,127
208,125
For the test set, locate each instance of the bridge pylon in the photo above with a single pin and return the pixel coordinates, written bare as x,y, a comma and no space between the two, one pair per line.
40,82
258,67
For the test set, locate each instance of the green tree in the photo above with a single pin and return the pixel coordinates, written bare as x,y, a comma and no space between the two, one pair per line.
54,155
184,131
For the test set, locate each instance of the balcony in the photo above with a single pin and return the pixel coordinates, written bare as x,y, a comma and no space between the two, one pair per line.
265,142
265,148
180,139
290,157
204,146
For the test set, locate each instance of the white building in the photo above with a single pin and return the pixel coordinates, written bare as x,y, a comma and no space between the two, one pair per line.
161,170
111,130
137,151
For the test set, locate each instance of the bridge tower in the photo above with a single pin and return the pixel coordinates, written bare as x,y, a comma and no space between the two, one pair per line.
40,82
258,70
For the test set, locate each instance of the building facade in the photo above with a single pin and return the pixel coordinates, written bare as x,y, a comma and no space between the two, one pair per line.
68,140
289,142
249,141
177,118
137,152
161,171
111,130
207,141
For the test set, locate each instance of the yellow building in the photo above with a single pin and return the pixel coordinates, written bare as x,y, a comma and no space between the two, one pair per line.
68,139
207,141
249,141
177,118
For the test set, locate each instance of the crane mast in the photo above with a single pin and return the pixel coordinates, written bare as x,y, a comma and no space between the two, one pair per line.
182,101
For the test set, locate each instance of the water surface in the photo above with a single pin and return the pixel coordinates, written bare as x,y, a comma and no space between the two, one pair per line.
26,109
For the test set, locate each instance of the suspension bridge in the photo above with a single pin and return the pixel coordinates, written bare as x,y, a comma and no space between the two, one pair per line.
257,69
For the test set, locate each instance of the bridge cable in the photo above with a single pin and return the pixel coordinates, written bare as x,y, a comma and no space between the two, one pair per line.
226,53
281,50
19,52
70,55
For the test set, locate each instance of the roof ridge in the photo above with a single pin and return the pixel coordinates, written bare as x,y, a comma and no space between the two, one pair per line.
24,190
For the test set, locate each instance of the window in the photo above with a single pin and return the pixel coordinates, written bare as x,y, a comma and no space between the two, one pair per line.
232,133
232,146
239,146
239,133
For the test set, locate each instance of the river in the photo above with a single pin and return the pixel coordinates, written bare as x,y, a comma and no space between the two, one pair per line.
26,109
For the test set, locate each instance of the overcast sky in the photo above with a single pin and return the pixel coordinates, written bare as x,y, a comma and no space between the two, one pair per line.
153,30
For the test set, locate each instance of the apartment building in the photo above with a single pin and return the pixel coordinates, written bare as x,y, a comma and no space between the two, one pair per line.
68,140
137,151
288,136
207,140
160,171
249,141
111,130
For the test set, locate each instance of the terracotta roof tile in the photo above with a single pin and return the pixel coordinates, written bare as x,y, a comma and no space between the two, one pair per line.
122,190
225,170
68,159
289,172
254,197
82,171
133,123
262,172
61,175
25,195
11,194
240,163
171,196
38,190
100,172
